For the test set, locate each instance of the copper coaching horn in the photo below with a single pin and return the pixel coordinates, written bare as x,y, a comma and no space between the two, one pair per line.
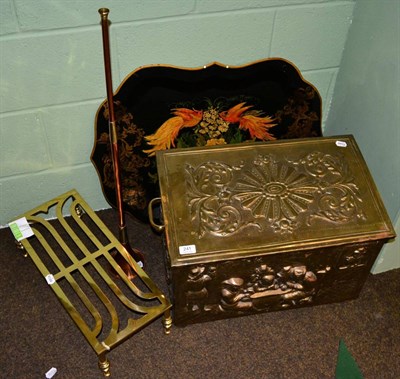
113,132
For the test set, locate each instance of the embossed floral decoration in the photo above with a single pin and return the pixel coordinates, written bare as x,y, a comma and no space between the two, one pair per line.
275,192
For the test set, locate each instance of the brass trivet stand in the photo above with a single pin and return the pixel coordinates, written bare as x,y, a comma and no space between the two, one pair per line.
75,255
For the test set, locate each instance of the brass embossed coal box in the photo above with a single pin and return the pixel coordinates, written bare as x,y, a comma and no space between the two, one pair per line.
263,227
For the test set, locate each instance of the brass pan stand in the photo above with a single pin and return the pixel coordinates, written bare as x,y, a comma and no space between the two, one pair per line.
73,254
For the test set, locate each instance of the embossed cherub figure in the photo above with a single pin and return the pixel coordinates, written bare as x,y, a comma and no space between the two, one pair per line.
234,296
263,279
300,281
196,288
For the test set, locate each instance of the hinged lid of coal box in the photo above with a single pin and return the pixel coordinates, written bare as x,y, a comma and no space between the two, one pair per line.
245,200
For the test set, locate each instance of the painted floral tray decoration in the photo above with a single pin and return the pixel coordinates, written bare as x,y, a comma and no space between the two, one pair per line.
161,107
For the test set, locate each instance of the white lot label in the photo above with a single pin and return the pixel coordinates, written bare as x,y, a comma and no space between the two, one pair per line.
341,143
21,229
50,279
187,249
51,373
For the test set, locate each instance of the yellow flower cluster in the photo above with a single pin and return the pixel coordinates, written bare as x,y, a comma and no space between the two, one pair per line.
216,141
212,124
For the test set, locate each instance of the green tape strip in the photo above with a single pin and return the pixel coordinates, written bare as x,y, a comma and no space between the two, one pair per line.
16,231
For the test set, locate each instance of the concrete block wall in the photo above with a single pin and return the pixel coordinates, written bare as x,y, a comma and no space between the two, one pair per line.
52,76
366,104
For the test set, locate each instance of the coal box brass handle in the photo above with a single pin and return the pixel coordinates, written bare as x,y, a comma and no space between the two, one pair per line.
150,208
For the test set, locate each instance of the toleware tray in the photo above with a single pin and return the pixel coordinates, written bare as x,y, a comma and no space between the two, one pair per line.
159,107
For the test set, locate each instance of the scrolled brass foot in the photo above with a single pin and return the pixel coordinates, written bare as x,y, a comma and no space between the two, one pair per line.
104,365
21,247
167,322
